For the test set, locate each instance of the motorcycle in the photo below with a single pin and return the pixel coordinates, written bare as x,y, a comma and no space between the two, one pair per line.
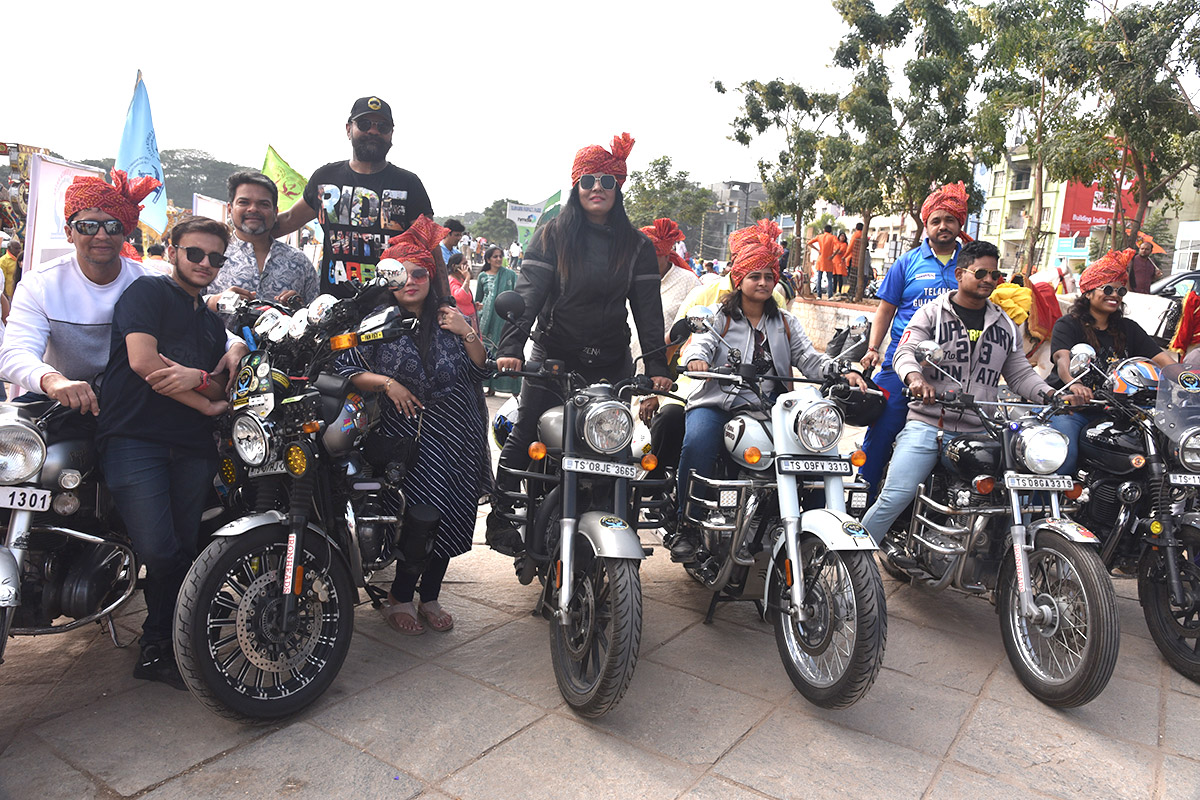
810,572
850,343
978,527
578,513
1139,464
266,613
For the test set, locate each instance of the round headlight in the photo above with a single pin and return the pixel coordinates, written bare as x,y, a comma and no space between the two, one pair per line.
1189,450
1040,449
819,427
608,426
22,453
318,309
250,439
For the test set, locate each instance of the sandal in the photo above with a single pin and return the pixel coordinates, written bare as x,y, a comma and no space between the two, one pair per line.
401,621
439,620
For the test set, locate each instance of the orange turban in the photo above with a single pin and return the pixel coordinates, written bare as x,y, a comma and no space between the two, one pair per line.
953,198
416,244
663,234
594,159
1112,267
120,200
753,249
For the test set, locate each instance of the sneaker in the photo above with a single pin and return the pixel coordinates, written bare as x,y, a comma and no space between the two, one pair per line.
157,663
502,536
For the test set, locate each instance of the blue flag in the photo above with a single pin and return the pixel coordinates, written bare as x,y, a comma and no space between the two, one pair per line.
138,155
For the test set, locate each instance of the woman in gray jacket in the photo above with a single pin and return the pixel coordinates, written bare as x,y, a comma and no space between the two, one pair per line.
767,336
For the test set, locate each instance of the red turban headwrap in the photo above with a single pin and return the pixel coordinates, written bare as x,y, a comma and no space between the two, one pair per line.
953,198
416,244
594,159
121,199
1112,267
664,233
753,249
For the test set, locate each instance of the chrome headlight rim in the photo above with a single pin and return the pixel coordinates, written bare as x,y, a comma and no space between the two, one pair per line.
19,432
806,431
1030,446
599,412
252,427
1189,441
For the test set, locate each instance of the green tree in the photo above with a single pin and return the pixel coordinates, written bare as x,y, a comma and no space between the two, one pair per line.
657,192
494,225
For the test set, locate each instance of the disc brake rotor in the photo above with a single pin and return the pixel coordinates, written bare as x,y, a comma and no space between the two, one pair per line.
262,641
581,629
815,633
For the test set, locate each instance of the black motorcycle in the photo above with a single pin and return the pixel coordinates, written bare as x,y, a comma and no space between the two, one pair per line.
266,613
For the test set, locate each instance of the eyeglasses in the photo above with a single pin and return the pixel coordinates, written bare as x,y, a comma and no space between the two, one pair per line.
1108,290
197,254
418,274
982,273
364,125
90,227
607,182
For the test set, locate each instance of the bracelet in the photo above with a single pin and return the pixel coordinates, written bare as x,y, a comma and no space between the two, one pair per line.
872,349
386,384
470,337
203,381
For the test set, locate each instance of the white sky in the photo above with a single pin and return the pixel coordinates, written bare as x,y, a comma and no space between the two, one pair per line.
491,99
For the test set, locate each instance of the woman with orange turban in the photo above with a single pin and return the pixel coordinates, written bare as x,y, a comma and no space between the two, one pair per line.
769,337
1097,318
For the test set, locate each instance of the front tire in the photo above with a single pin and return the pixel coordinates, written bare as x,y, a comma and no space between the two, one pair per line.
1068,660
833,657
595,653
1175,630
231,651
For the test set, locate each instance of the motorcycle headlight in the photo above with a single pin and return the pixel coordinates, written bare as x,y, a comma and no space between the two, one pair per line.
1189,450
608,426
1040,449
250,440
22,452
819,427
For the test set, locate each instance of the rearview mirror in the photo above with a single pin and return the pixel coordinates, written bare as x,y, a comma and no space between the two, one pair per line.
1082,356
679,331
700,318
391,273
930,352
510,305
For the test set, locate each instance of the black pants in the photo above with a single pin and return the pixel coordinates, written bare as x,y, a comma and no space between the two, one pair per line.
405,583
666,437
537,397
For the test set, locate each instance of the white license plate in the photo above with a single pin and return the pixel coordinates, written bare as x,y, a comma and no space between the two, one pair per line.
1184,479
25,499
823,466
270,468
1053,483
594,467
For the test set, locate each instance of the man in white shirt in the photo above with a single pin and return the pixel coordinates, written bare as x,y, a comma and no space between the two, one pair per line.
59,330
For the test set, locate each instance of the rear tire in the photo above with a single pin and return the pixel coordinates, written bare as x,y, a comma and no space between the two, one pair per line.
833,658
1175,630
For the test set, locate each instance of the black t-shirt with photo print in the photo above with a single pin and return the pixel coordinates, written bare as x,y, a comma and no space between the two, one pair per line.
359,213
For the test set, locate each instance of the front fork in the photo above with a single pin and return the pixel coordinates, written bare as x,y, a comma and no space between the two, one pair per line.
790,511
292,580
12,558
1022,547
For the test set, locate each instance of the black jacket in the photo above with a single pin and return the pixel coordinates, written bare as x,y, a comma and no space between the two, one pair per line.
584,321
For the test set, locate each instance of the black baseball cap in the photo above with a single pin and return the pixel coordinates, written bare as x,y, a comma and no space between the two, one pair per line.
370,105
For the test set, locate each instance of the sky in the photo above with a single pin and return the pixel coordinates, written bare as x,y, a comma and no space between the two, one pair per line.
490,99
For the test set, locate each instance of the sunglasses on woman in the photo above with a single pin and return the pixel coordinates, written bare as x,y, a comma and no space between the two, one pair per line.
607,182
1109,289
90,227
416,275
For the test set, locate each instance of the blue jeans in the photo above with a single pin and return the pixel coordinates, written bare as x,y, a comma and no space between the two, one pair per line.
703,443
1071,424
160,493
915,456
827,278
878,442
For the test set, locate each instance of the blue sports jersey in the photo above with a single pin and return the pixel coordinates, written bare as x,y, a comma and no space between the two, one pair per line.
914,279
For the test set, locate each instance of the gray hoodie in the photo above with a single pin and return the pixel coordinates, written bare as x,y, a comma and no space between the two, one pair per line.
997,353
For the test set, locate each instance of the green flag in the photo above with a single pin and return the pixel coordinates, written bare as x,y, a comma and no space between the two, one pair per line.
291,184
550,208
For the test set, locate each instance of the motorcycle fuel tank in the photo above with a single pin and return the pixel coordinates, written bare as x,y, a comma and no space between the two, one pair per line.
76,454
973,454
1106,446
745,431
550,428
342,434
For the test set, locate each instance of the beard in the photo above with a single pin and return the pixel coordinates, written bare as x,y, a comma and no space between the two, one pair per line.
253,227
370,149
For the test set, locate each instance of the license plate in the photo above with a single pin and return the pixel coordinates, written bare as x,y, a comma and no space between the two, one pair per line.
1053,483
25,499
594,467
823,466
1184,479
270,468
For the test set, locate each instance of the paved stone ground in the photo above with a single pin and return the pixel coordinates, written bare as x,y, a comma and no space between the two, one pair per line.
475,713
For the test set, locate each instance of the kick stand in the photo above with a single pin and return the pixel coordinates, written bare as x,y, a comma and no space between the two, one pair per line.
719,597
376,594
110,625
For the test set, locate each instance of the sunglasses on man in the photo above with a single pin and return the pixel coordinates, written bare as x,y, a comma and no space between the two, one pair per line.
90,227
197,254
607,182
365,125
995,274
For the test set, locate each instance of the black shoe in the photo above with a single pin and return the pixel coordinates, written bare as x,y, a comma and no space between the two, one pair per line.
502,536
683,549
157,663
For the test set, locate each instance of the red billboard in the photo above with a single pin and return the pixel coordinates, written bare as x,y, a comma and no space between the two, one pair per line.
1085,206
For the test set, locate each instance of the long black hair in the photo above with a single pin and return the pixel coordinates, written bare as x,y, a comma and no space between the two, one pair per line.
1081,310
564,235
731,305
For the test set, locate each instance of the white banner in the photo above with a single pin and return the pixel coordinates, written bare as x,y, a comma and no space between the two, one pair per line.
524,216
45,231
211,207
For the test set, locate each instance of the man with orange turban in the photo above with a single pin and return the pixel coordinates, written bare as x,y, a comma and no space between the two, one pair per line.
57,339
916,278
